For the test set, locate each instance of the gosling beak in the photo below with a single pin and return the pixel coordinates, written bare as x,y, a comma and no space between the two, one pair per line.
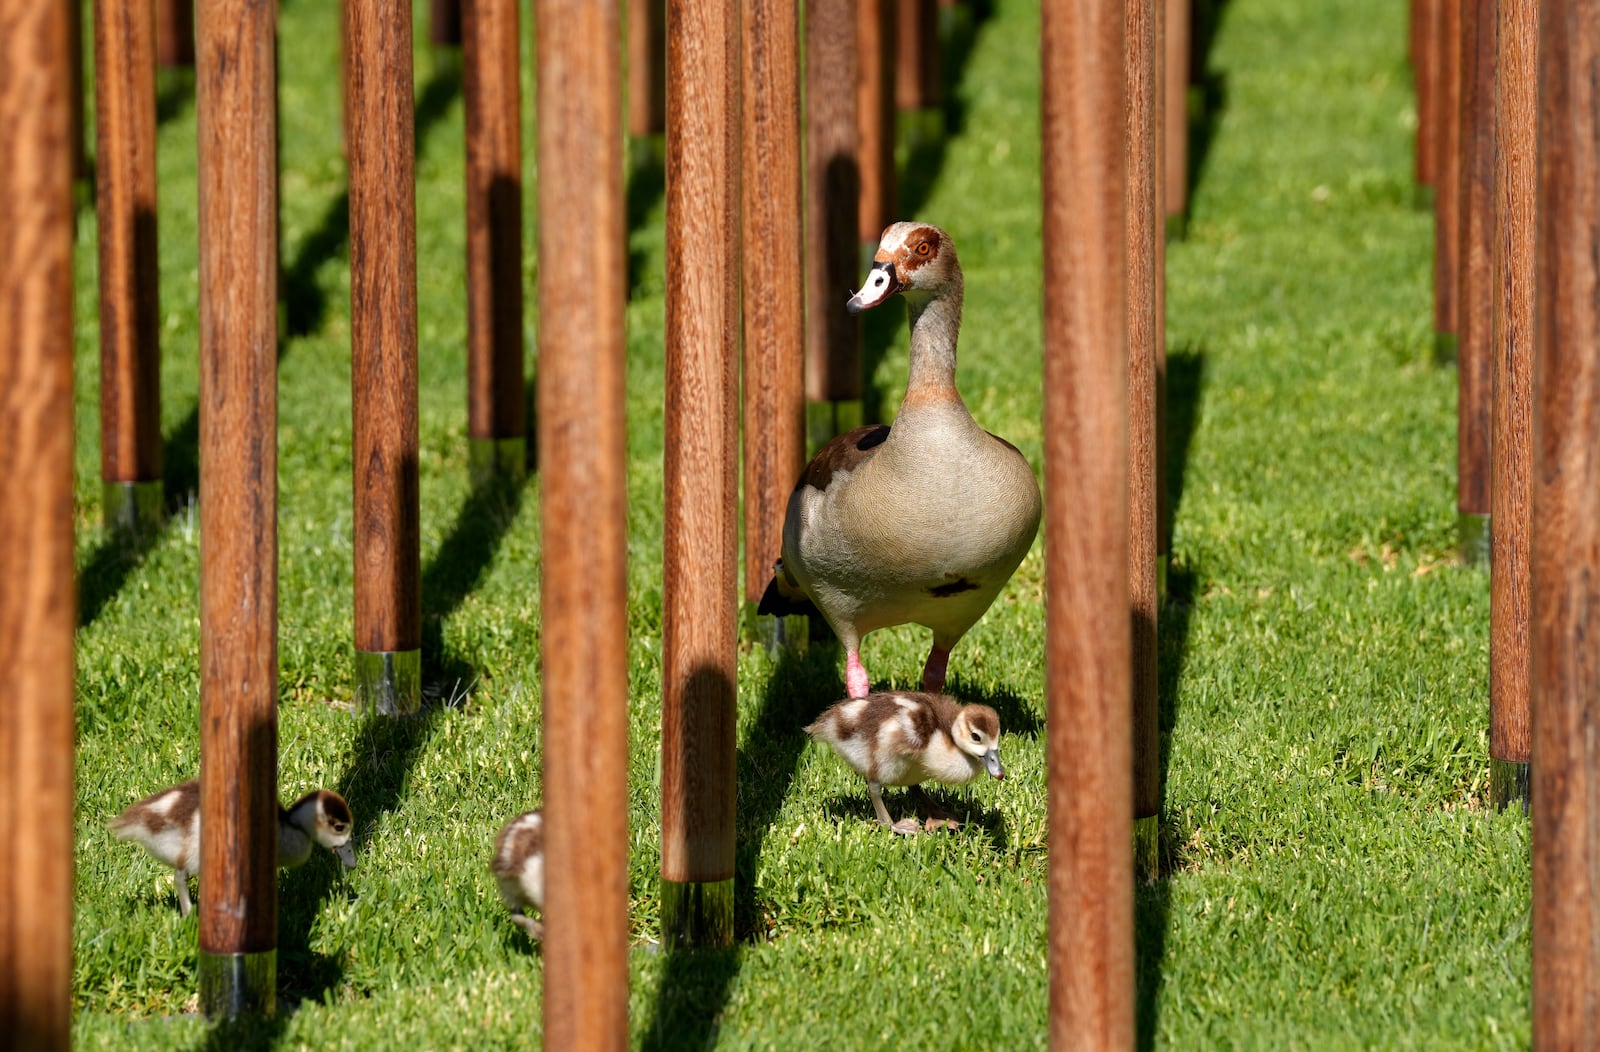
991,760
347,855
881,284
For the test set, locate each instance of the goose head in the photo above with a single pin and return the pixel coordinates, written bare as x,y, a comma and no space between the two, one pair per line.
916,259
325,818
976,732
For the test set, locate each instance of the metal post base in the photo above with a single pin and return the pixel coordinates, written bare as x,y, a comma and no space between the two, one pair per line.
388,682
828,420
1177,226
233,985
492,460
1509,784
777,635
696,916
1444,348
1147,848
133,508
1473,532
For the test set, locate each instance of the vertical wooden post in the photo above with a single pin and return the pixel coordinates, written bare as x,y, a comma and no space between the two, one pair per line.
875,25
700,546
496,430
174,32
833,190
1175,122
37,603
1427,19
383,358
1566,535
1087,649
444,23
125,184
1476,296
647,67
774,297
239,497
1447,182
1516,117
582,289
1143,226
918,91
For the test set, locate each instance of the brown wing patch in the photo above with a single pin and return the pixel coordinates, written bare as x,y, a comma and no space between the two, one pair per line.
519,841
844,453
176,812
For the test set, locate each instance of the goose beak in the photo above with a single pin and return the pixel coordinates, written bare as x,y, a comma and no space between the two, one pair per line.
881,284
347,855
991,761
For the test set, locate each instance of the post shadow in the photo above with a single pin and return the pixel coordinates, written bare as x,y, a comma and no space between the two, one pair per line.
1211,85
647,183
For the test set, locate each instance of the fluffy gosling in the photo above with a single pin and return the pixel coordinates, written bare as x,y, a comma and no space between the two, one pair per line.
518,867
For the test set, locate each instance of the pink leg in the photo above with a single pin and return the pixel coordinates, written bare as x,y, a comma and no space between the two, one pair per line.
933,671
856,683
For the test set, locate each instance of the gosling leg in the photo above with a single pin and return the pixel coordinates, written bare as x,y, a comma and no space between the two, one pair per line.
534,929
181,878
905,827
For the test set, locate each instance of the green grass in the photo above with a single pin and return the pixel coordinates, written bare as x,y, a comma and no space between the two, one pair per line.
1334,880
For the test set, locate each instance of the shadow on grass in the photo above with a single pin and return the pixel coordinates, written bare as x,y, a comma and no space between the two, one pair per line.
1208,92
1153,901
647,181
174,92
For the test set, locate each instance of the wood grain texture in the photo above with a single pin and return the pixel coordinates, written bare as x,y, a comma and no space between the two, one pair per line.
235,101
875,112
1511,507
1566,535
1144,229
1163,509
917,84
383,326
1175,119
582,290
1088,648
700,543
774,297
125,210
1476,297
444,23
493,99
1447,172
37,602
174,32
647,67
833,190
1428,18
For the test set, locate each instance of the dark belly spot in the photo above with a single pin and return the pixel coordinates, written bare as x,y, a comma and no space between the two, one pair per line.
956,587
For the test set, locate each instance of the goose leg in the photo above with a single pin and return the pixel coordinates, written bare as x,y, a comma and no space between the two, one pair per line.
534,929
905,827
856,683
182,880
933,670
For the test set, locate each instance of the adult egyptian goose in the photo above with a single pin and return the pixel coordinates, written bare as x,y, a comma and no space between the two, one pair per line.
910,738
922,522
518,868
167,824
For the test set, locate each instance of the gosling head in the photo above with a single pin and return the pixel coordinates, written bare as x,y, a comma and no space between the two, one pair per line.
916,259
976,731
325,817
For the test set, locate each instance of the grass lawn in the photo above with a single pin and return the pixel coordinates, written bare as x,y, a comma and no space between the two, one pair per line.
1332,878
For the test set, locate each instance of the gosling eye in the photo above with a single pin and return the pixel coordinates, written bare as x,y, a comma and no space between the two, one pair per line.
975,736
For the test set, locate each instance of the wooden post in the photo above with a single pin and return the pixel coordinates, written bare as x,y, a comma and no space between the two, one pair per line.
774,300
1516,116
239,497
174,32
700,546
1447,182
125,184
444,23
918,92
383,358
37,602
1143,226
496,430
647,67
1426,17
1566,535
582,290
1175,123
1476,297
875,25
1087,649
833,190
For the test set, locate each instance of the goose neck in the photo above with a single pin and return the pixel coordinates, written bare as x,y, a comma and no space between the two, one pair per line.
935,326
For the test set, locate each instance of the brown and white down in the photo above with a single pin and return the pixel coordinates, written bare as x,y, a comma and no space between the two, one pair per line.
518,867
167,824
923,522
906,738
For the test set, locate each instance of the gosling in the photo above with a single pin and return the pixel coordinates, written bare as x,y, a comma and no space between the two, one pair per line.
907,738
518,867
167,824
